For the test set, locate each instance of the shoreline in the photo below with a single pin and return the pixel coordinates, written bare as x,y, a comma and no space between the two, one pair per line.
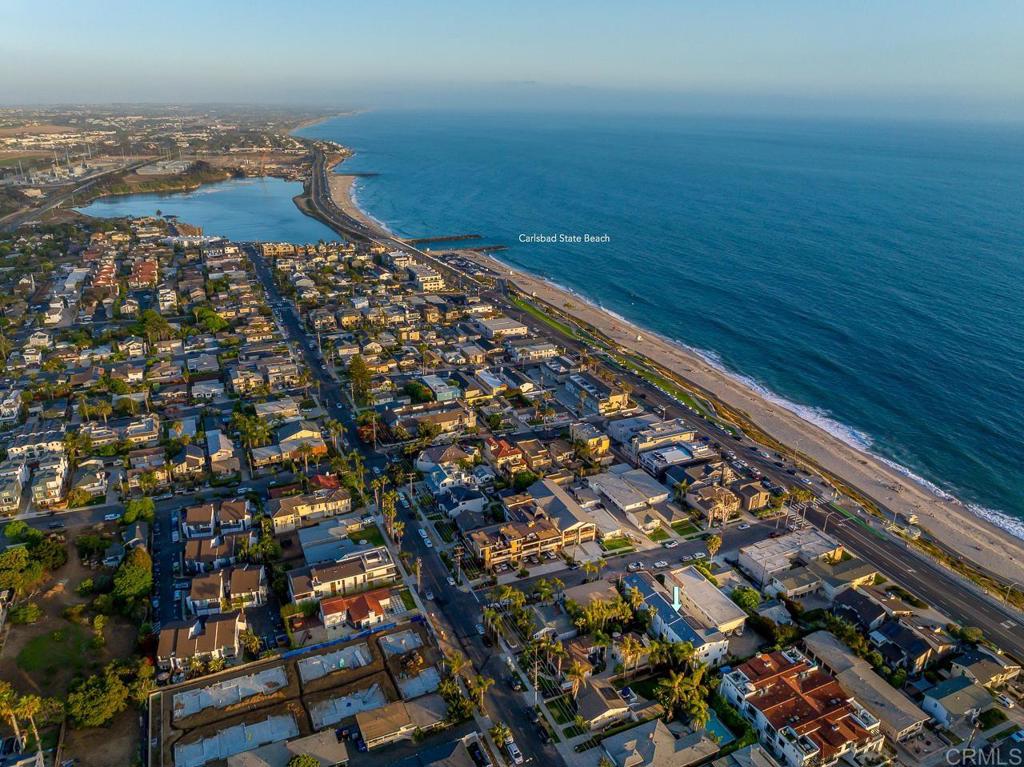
961,527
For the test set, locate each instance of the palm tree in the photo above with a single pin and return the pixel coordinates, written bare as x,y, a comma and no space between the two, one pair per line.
631,650
377,484
397,531
479,686
590,568
456,661
29,707
304,450
103,409
558,652
558,586
673,690
490,618
9,707
577,675
543,590
83,406
501,733
335,428
635,598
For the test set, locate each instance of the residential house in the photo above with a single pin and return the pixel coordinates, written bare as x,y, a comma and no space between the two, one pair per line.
652,744
360,611
293,511
401,719
672,621
202,639
956,701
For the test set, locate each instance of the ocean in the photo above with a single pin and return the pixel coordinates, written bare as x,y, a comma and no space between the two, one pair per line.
866,275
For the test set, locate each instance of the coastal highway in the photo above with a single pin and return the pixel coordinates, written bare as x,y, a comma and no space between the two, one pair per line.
946,591
929,580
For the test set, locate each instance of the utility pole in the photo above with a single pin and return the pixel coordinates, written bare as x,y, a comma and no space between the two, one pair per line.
535,661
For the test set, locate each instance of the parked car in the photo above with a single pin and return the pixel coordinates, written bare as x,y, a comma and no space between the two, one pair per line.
514,753
670,544
1006,701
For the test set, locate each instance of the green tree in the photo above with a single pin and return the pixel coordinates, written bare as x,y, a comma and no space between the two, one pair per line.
746,598
9,706
139,510
360,378
25,613
303,760
713,543
134,578
97,699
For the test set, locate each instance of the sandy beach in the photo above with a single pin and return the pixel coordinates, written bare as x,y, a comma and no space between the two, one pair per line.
975,538
342,194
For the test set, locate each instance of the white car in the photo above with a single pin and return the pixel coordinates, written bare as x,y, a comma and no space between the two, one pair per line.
514,753
743,526
670,544
451,581
1006,700
428,543
661,564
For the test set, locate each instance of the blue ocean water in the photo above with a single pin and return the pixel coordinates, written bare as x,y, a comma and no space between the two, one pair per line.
867,274
240,209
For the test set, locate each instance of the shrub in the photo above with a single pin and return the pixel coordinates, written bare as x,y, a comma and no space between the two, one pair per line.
28,612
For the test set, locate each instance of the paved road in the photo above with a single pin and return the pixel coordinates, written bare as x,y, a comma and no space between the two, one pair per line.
456,610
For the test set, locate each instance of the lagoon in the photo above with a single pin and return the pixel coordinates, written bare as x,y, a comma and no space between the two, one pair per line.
239,209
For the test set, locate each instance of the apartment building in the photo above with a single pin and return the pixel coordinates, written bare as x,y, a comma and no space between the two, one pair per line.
591,395
802,715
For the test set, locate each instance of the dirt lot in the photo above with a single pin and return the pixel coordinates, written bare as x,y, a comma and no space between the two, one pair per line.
35,129
105,746
44,657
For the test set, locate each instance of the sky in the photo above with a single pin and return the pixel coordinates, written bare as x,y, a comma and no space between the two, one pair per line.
926,59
